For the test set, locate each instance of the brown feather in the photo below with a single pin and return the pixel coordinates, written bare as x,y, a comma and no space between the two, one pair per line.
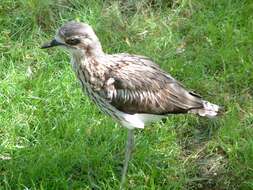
140,86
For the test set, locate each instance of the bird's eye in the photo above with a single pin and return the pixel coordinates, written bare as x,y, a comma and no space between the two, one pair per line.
73,41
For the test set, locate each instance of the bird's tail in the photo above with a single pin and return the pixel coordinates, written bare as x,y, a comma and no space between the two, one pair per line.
209,110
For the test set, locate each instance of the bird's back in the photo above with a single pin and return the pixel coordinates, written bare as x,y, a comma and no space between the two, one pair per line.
140,86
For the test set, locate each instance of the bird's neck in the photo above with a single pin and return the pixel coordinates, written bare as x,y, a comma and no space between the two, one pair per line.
92,68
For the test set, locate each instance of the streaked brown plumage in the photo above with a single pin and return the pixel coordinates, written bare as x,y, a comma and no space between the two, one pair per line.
130,88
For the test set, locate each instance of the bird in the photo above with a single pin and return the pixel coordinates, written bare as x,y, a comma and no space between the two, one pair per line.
130,88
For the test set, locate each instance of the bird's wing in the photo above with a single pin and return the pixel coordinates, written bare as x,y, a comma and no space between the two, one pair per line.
137,85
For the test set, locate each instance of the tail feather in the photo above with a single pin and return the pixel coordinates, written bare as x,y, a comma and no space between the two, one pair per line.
209,110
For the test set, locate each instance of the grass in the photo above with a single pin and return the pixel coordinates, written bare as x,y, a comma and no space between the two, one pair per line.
53,137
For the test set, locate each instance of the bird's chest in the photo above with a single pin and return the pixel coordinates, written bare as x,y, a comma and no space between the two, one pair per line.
92,81
89,76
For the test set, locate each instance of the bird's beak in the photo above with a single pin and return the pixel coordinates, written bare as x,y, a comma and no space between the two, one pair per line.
53,43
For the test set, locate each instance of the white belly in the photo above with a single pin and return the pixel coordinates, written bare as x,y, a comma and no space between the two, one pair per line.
132,121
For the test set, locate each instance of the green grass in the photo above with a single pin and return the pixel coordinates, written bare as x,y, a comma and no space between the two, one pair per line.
53,137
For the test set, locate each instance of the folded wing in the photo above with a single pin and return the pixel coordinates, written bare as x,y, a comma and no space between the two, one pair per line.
137,85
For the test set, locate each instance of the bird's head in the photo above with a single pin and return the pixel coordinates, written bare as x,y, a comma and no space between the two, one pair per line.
76,37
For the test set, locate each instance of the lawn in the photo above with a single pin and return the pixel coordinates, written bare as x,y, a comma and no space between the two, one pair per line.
53,137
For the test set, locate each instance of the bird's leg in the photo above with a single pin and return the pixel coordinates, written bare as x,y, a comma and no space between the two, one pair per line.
129,148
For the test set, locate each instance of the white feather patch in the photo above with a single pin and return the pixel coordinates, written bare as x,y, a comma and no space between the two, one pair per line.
139,120
132,121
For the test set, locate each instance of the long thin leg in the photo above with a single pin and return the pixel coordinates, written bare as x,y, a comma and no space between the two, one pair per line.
129,149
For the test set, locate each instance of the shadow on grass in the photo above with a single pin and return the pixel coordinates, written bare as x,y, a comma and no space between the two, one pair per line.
202,156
